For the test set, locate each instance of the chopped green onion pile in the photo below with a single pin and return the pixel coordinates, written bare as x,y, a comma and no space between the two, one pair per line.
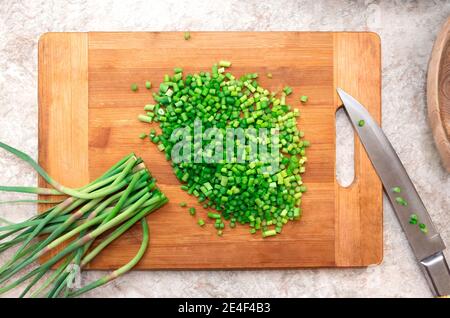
108,206
242,192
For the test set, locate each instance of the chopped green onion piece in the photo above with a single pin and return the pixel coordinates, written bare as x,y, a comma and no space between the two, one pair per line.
361,123
161,147
219,232
183,204
413,219
401,201
142,135
423,228
269,233
287,90
201,222
304,99
192,211
224,63
134,87
149,107
148,84
212,215
163,87
145,119
187,35
396,189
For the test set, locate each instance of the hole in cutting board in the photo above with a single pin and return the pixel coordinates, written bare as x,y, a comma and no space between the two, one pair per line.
345,149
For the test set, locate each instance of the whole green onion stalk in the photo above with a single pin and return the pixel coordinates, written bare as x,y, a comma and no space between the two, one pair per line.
107,208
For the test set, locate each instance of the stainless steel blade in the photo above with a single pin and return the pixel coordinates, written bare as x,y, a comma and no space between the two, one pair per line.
427,247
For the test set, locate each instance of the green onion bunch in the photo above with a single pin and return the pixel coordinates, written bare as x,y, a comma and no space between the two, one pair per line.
65,233
245,192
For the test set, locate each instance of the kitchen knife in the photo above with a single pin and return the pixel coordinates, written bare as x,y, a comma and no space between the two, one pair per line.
422,235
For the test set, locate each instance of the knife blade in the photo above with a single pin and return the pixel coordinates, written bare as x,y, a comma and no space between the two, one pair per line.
424,239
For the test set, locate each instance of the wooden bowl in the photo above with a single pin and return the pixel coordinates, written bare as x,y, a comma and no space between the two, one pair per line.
438,93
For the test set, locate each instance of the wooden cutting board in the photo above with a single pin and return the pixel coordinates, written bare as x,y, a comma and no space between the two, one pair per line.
87,121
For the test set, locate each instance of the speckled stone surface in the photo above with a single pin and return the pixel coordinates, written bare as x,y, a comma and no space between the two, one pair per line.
407,30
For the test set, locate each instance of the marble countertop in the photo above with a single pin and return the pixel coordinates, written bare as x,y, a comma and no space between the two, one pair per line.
407,30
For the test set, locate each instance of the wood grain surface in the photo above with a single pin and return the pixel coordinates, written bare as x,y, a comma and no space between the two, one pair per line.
88,121
438,93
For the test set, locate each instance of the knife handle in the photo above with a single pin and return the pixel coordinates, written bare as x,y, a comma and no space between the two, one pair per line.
437,274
